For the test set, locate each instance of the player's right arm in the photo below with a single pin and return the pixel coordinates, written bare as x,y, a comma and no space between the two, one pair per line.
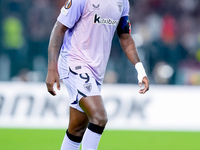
56,40
70,14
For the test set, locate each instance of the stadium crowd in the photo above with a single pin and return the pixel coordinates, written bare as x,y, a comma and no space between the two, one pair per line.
166,33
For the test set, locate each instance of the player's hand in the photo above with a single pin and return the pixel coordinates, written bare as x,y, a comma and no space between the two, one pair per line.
51,79
145,81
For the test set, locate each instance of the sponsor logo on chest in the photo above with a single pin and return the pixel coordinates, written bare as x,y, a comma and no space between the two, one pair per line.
99,20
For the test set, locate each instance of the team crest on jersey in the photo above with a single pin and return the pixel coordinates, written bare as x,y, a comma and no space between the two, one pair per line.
88,87
68,4
120,5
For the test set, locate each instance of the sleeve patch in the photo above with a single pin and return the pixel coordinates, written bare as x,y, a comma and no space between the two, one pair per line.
64,11
68,4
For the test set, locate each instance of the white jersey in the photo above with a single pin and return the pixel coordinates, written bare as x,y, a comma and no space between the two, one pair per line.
87,42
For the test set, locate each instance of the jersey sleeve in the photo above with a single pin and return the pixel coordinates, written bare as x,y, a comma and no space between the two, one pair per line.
71,12
126,8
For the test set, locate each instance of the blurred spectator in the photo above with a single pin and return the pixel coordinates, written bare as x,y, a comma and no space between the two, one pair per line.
40,19
168,29
13,33
13,49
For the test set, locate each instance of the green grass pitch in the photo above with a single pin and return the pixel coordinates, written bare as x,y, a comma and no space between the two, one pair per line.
44,139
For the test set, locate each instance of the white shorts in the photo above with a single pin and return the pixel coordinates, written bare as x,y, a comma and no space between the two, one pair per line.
81,85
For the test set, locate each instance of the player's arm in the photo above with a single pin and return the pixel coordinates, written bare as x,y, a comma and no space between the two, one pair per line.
129,48
55,43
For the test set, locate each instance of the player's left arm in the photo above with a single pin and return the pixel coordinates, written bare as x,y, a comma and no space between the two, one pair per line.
129,48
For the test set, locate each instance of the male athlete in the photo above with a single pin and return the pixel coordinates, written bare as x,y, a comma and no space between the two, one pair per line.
78,53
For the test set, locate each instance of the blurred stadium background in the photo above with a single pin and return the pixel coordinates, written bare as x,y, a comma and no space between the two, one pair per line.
167,35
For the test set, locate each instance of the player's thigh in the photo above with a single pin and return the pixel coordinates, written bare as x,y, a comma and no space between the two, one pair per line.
93,106
78,122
